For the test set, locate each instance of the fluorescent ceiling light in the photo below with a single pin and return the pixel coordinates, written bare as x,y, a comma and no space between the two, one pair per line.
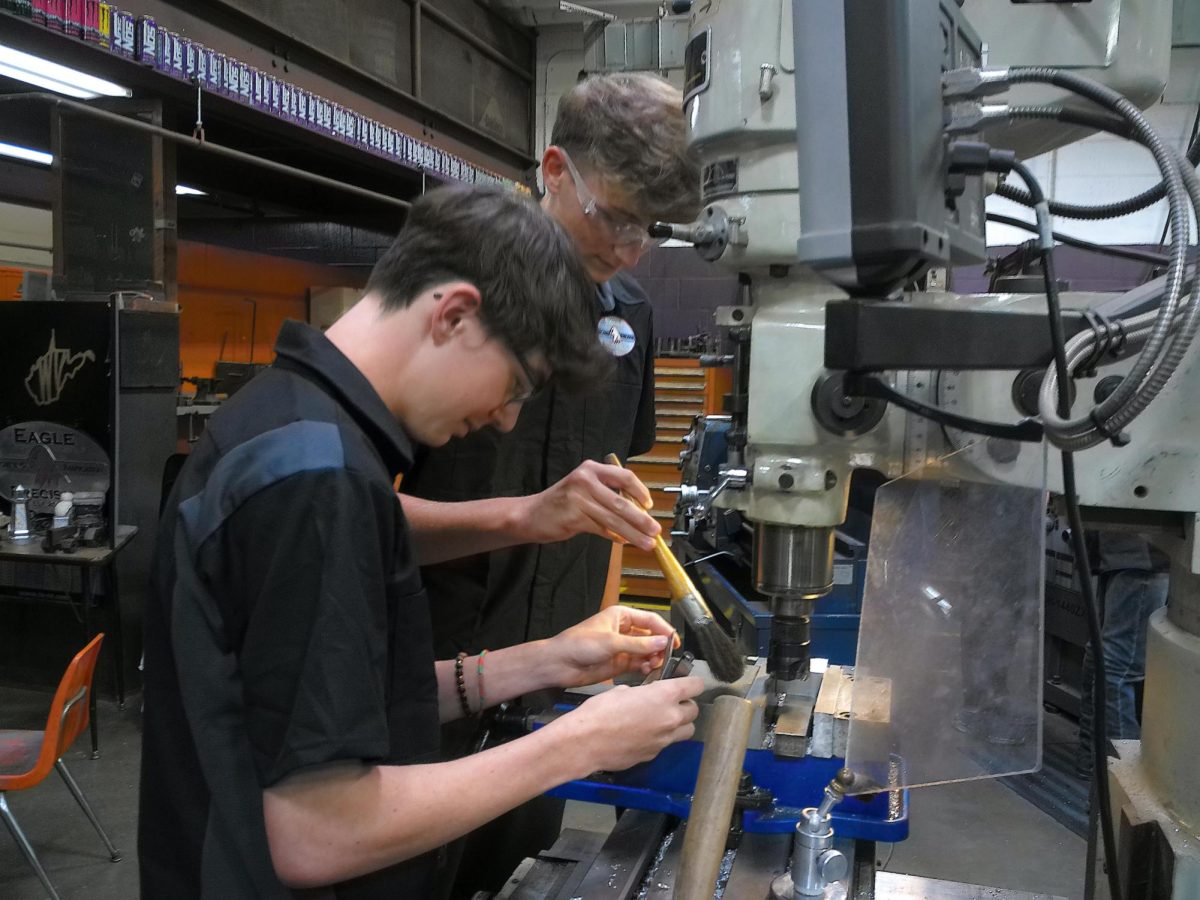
60,79
182,190
25,153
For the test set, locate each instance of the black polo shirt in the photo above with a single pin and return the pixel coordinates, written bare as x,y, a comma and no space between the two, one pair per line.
287,627
532,592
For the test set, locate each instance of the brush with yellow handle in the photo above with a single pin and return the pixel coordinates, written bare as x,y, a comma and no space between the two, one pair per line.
716,647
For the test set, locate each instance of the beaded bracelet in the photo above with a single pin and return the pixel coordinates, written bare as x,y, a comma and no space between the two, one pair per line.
461,683
479,679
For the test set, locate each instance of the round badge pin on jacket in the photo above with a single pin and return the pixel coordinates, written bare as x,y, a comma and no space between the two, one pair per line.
616,335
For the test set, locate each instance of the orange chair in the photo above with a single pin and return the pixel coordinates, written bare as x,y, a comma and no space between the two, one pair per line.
26,757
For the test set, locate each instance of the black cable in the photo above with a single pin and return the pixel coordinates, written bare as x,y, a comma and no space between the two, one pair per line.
1095,634
1083,568
1146,256
1070,115
1127,393
1029,430
1102,122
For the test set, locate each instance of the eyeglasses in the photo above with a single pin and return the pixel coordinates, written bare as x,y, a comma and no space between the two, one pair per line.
532,385
623,232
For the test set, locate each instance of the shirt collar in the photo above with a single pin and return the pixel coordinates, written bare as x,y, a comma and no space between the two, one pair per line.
303,349
604,292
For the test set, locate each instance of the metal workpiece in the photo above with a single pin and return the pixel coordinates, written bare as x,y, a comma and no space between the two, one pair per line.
713,801
791,705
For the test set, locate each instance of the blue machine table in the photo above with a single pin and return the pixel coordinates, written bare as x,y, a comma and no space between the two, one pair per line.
785,769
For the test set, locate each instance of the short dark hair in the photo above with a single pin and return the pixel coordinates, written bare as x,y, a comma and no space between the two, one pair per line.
629,129
537,295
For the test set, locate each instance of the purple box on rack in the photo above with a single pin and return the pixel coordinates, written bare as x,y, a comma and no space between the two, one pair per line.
257,80
146,45
178,56
310,109
124,33
210,69
285,100
244,80
302,97
162,59
193,61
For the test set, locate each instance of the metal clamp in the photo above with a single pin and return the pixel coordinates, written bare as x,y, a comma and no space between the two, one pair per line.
815,863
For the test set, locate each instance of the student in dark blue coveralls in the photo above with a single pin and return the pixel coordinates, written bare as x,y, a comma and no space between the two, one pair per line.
292,698
1133,584
617,161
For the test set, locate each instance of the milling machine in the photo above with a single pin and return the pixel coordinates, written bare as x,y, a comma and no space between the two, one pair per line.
849,354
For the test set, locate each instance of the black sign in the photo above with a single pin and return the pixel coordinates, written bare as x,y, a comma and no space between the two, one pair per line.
695,65
57,366
719,179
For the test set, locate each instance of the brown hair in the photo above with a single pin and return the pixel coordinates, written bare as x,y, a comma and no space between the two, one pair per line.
629,129
537,295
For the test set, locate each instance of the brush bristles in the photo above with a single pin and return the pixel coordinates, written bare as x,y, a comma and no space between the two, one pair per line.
718,650
715,646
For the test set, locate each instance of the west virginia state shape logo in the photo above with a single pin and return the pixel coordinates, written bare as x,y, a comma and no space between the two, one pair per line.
52,370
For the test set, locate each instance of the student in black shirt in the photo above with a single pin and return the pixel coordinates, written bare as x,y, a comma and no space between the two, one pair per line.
515,531
520,524
292,697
